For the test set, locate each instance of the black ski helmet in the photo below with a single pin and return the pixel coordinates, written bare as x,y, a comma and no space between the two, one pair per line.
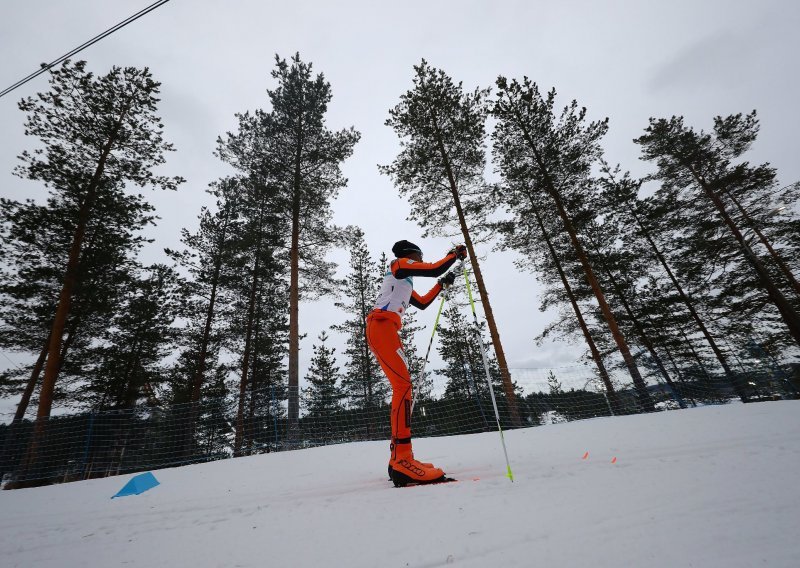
401,248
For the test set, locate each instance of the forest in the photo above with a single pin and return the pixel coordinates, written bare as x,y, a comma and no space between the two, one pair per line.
682,286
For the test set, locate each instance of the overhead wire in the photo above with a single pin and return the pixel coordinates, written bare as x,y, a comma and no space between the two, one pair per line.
18,367
84,45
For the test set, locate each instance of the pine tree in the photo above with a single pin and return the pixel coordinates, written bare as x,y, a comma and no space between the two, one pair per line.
34,241
97,133
210,259
323,396
620,264
553,384
290,150
459,347
259,301
647,221
139,339
96,136
463,365
440,168
551,157
556,392
212,432
529,232
213,263
703,164
364,382
267,370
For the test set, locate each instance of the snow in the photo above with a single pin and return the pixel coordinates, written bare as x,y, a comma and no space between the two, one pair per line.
710,486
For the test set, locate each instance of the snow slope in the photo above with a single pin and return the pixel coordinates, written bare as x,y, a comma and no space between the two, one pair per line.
713,486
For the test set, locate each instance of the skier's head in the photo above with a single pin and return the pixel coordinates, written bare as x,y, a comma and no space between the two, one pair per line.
406,249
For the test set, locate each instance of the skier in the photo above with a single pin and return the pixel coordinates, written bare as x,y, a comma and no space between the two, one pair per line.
383,324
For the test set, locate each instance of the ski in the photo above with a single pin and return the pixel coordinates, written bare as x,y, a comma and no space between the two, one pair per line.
443,479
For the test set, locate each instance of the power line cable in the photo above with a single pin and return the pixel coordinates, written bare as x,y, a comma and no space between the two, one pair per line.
83,46
18,367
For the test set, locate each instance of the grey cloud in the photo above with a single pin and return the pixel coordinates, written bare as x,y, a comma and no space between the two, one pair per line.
711,61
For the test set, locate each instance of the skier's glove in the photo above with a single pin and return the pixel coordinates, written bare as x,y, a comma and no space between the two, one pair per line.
447,280
460,251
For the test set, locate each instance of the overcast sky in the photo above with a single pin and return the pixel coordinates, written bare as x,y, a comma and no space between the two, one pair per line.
627,60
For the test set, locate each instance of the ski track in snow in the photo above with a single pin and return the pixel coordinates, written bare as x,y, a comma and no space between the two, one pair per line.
705,487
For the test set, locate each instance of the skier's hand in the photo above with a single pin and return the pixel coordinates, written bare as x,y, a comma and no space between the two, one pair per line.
460,251
447,280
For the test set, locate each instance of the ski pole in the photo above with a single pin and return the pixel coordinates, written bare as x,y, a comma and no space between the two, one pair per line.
509,474
428,352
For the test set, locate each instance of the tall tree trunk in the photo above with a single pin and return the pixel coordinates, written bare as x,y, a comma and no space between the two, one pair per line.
790,316
639,328
251,311
22,407
641,388
293,413
150,393
508,385
68,341
596,356
62,311
132,391
240,421
293,406
199,374
197,379
133,384
251,412
251,307
70,280
40,426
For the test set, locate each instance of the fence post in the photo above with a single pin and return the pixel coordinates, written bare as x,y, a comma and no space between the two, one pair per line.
274,413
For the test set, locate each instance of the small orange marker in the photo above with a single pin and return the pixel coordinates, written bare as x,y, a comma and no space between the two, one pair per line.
585,456
614,460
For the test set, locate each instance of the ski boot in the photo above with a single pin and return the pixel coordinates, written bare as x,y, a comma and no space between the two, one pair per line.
392,460
406,470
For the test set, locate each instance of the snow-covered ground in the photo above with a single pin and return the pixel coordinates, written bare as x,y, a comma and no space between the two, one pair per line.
713,486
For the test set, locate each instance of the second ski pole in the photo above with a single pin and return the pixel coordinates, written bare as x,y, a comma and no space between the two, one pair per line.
509,474
428,352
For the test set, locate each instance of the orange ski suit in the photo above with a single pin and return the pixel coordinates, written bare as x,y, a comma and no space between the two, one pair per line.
383,326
